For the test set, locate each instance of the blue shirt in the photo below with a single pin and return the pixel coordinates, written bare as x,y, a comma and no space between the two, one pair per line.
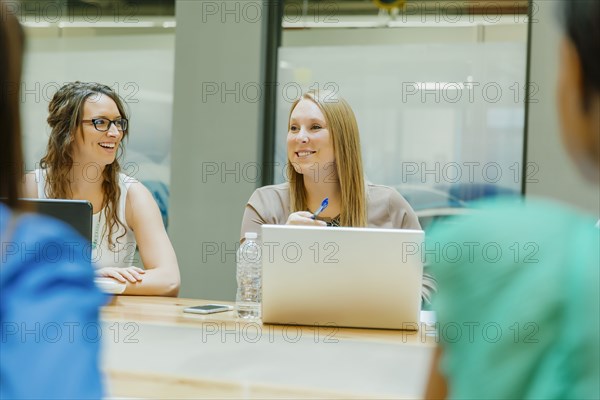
49,311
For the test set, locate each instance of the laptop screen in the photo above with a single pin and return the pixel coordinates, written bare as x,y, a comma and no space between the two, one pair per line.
77,213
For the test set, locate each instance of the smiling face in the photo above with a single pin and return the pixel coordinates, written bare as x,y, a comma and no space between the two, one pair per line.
91,145
309,142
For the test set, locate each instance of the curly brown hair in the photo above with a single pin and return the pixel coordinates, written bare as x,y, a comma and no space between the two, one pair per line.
65,115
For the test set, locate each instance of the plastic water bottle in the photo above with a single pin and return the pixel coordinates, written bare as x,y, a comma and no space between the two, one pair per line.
249,278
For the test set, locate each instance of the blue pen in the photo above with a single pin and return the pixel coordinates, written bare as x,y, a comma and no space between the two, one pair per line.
324,205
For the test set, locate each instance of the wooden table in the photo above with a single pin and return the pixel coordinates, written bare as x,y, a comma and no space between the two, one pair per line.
152,349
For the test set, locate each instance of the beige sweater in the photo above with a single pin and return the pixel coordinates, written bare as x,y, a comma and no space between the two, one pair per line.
386,208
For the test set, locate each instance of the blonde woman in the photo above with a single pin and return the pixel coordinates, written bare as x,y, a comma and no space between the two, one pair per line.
324,161
89,123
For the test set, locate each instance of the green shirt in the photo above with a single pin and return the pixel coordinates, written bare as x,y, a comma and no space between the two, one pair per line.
517,302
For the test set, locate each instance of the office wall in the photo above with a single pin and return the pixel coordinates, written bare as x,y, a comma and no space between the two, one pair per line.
507,30
556,176
215,139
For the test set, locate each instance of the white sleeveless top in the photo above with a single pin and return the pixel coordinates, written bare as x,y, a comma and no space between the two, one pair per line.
123,253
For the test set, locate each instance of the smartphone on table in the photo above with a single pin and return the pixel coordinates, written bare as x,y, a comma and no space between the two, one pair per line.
208,309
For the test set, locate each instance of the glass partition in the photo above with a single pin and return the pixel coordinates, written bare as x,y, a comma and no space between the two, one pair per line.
439,97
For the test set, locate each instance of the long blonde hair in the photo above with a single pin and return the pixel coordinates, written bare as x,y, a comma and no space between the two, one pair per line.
65,115
343,129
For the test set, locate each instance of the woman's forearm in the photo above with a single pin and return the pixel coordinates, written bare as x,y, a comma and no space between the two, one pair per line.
156,282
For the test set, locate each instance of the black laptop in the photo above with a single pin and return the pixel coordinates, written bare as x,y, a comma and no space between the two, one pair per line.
77,213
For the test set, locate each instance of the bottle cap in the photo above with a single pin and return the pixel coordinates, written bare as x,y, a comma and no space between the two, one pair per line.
250,235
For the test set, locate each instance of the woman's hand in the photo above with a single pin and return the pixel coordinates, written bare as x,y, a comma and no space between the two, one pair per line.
131,274
304,218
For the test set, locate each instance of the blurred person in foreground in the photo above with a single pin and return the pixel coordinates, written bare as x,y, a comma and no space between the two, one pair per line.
528,311
49,305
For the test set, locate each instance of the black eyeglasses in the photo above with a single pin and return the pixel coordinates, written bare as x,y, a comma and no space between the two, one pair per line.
103,124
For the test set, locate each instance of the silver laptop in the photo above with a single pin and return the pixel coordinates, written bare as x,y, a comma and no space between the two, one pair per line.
351,277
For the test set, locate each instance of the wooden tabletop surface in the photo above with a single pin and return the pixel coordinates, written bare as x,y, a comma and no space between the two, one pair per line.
151,349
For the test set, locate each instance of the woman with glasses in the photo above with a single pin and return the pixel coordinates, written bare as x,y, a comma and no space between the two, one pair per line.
88,123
